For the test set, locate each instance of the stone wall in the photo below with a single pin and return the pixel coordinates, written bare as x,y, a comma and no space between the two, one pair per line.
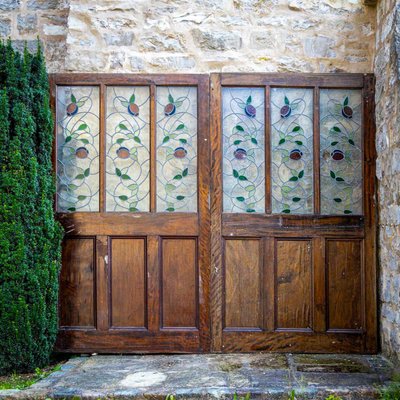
25,20
196,35
388,171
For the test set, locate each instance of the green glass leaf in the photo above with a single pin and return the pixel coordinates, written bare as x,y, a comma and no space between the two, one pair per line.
132,99
299,142
242,178
71,186
123,197
125,177
336,129
235,173
170,209
68,139
286,189
348,212
301,174
84,141
169,187
286,211
346,101
240,128
240,198
71,209
165,140
133,209
81,197
334,143
296,128
351,142
249,188
185,172
249,100
337,199
170,98
339,179
118,172
73,98
180,197
82,127
294,179
282,141
123,127
180,127
120,140
80,103
254,140
125,103
236,142
183,141
333,175
137,139
87,172
296,199
80,176
178,103
287,102
133,186
250,210
178,177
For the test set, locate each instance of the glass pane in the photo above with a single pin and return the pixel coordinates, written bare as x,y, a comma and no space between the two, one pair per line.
127,149
341,155
177,149
292,150
243,149
77,148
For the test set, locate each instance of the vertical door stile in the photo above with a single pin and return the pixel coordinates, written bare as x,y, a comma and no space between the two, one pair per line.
319,286
102,283
153,283
316,154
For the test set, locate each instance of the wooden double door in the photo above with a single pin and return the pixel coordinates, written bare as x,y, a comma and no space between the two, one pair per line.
231,212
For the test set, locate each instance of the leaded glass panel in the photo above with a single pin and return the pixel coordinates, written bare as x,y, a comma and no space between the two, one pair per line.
292,150
341,151
243,149
176,149
77,120
127,148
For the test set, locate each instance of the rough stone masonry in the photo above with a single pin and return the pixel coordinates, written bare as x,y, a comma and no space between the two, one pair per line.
246,36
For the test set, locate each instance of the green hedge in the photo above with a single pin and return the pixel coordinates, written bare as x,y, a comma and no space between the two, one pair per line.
30,238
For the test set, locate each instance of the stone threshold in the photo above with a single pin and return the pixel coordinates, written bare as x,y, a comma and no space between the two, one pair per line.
213,376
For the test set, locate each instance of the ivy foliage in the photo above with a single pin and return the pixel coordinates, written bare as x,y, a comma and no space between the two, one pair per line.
30,237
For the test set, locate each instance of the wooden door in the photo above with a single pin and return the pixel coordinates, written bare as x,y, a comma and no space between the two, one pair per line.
293,213
132,162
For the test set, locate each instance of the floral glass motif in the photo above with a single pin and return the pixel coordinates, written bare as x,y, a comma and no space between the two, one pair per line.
292,150
341,151
127,149
243,150
176,149
77,120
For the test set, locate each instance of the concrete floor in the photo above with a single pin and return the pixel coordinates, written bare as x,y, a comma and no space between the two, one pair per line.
213,376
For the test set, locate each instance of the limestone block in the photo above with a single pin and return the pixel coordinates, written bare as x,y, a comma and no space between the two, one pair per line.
5,27
320,46
9,4
217,40
119,38
27,23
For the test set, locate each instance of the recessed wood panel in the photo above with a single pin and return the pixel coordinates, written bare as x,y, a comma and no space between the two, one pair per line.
128,282
179,283
293,284
77,283
344,284
243,272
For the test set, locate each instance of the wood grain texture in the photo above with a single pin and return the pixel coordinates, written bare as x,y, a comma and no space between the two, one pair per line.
293,284
128,275
243,260
179,280
344,289
77,283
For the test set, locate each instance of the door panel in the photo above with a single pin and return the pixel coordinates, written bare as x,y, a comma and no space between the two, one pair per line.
77,284
243,274
179,284
128,276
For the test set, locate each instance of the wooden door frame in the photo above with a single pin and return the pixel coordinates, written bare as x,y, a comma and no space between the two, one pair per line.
350,226
162,225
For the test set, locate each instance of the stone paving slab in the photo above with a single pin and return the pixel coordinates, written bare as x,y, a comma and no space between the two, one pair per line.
213,376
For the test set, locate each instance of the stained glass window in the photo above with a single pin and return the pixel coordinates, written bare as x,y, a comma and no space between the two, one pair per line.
127,149
341,151
77,120
176,149
243,150
292,150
